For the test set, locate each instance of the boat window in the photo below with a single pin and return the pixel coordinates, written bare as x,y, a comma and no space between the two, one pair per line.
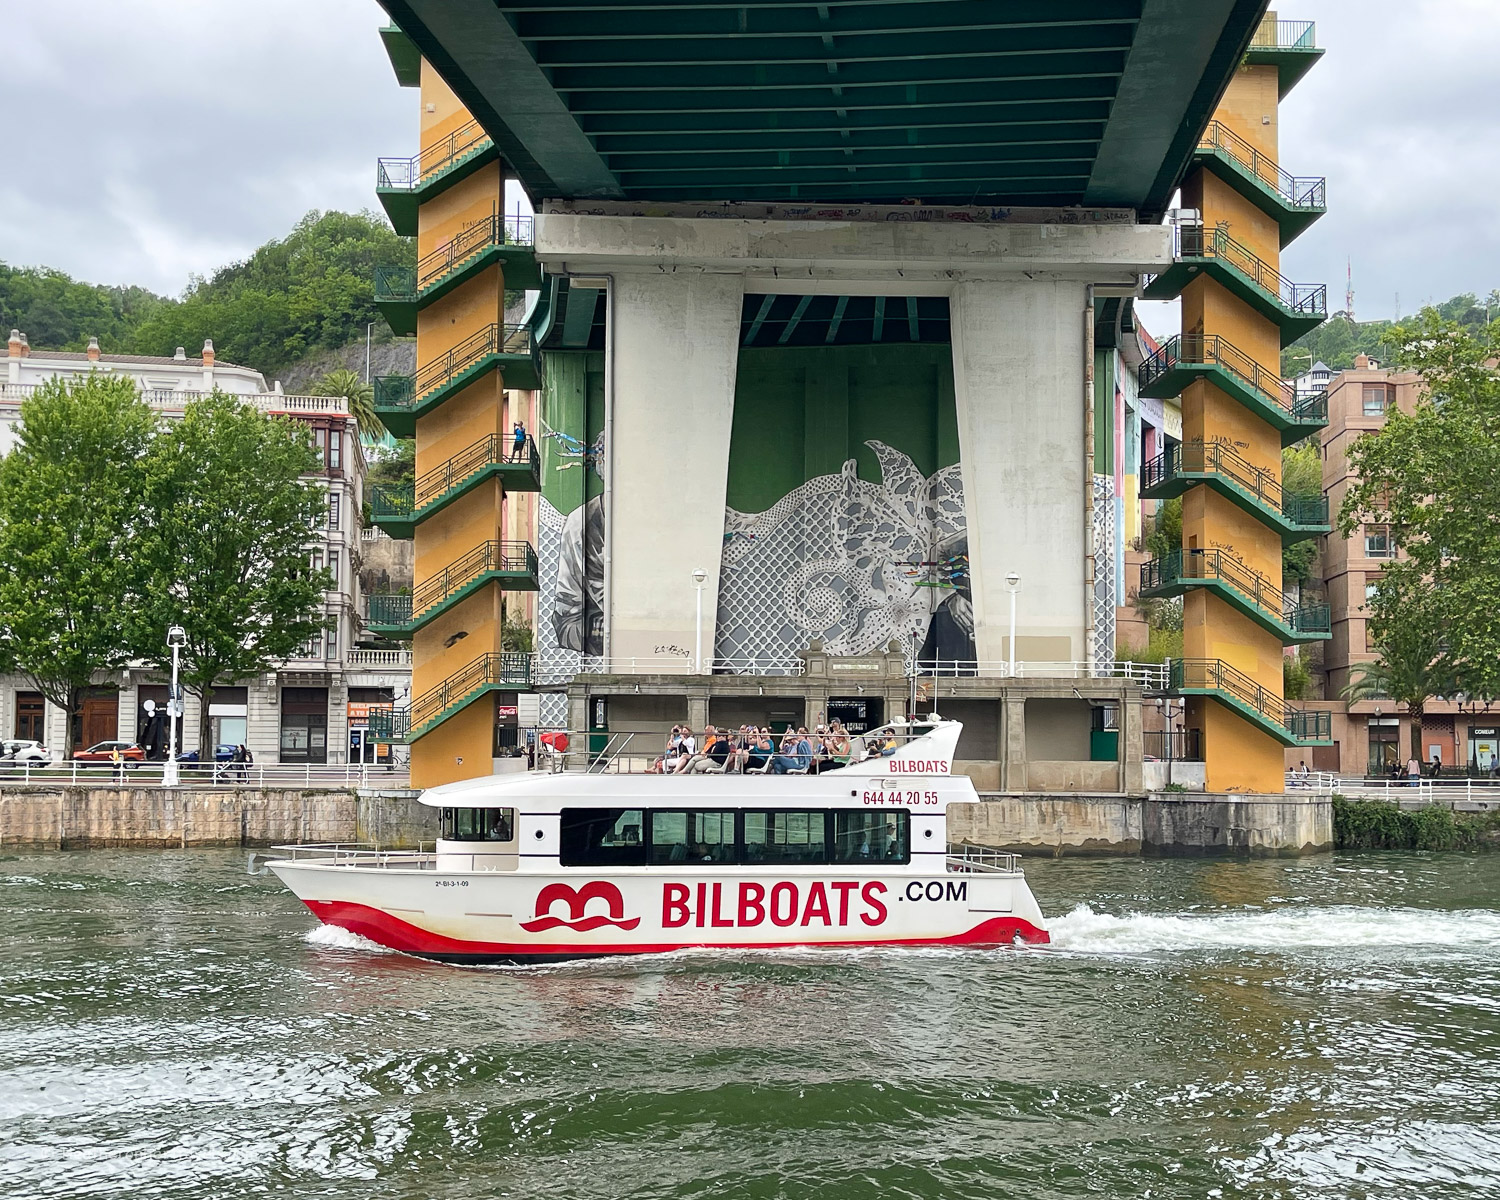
602,837
778,837
692,837
479,824
871,836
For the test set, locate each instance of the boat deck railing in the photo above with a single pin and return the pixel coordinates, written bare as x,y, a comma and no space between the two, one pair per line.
981,860
599,753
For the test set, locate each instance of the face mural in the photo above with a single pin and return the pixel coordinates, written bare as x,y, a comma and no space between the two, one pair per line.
851,563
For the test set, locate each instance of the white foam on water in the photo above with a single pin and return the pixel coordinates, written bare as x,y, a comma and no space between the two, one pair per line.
335,937
1283,929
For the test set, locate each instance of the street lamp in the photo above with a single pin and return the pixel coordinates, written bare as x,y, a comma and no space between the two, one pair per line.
700,576
1013,583
176,639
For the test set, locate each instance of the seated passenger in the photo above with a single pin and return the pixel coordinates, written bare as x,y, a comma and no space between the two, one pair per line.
710,736
761,749
715,754
686,748
796,755
839,749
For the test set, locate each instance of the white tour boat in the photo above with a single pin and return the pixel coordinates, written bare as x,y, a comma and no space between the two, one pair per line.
549,865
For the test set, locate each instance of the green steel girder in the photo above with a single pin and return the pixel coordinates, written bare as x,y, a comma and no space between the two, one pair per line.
510,581
406,59
519,371
1308,624
1175,379
570,89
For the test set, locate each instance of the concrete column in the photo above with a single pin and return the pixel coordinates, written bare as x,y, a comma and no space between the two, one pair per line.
676,347
697,709
1018,376
1012,744
1132,744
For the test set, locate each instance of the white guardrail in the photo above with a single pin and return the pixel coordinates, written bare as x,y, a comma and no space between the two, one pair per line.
225,776
1146,674
1442,791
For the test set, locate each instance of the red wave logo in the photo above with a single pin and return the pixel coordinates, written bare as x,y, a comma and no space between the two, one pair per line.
577,900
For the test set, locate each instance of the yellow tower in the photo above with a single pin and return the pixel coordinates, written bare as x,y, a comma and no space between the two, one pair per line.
1239,208
450,197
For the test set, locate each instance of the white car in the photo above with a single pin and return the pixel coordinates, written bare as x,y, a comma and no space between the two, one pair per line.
19,750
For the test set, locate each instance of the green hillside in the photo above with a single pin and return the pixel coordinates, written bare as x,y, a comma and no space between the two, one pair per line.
1339,339
308,291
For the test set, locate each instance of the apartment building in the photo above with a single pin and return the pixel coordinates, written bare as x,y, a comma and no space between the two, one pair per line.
1371,736
314,708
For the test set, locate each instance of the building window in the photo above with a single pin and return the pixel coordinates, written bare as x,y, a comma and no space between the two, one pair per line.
1385,749
334,506
1371,591
1377,398
333,570
1378,541
304,725
331,642
335,450
31,712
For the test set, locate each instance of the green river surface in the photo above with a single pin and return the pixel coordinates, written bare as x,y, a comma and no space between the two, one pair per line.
1327,1027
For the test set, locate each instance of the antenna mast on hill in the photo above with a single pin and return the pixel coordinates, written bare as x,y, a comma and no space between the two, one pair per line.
1349,290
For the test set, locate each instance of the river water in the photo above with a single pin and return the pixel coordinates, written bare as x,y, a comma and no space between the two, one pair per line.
171,1027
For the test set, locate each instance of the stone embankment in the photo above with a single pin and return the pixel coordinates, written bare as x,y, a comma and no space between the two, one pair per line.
78,818
1171,824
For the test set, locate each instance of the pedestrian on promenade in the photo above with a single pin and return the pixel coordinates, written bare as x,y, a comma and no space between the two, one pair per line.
1413,771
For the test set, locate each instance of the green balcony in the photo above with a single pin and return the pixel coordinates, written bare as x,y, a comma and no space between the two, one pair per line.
406,59
1235,583
487,673
1253,489
513,565
1289,46
1268,712
402,292
400,509
403,185
401,399
1295,202
1294,308
1183,359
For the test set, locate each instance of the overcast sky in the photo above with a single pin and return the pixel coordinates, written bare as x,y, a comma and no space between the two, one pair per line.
160,138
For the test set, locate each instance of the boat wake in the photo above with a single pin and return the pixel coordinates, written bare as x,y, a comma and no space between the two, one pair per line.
1344,928
334,937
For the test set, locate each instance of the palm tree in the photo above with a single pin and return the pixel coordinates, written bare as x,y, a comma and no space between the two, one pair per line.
347,385
1411,679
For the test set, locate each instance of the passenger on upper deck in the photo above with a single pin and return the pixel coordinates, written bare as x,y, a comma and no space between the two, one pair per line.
796,753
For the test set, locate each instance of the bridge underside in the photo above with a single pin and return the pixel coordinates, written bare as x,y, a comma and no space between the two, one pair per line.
1041,102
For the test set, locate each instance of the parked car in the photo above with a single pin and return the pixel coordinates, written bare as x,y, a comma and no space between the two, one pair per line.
22,750
223,753
104,753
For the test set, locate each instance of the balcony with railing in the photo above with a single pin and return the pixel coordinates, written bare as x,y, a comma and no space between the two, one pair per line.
1289,46
400,508
486,673
403,185
401,614
400,292
1288,724
1295,202
1294,308
1190,356
401,399
1251,488
1238,585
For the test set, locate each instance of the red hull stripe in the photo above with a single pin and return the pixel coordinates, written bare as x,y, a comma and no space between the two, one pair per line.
396,934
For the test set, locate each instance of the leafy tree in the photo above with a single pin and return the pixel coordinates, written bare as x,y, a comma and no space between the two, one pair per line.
347,385
1433,477
60,313
1302,479
395,467
311,289
70,535
226,548
1166,530
1295,678
1412,666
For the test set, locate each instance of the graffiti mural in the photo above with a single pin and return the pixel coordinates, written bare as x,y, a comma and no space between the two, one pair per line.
852,564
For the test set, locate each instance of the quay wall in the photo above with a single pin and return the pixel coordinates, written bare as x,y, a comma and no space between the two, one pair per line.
1173,824
77,818
1168,824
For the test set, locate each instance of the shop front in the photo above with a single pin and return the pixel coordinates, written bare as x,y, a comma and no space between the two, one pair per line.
304,725
1484,749
1385,745
362,701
